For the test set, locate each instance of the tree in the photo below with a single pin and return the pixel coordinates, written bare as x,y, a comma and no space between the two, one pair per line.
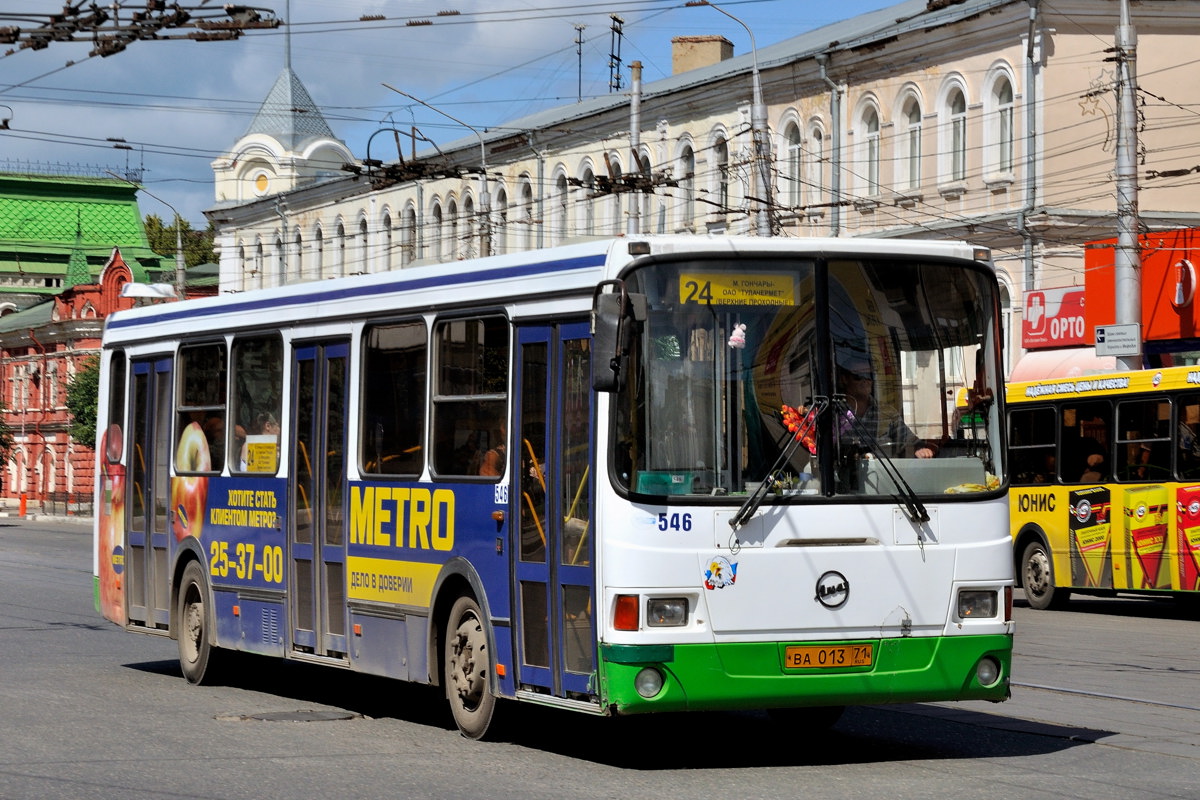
197,245
83,400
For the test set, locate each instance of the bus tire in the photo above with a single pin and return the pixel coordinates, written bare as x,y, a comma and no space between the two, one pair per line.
197,656
468,669
1037,578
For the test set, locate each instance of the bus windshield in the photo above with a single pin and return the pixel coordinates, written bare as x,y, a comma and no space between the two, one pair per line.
730,365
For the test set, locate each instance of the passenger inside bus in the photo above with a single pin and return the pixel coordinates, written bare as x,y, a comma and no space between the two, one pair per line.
856,380
1095,469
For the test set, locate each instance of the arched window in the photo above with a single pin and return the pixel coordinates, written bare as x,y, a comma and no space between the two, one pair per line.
387,243
793,173
500,229
587,220
816,164
339,268
279,272
435,230
721,173
687,188
558,227
297,257
318,253
258,265
243,281
909,145
408,236
526,221
453,245
1002,97
618,212
956,114
468,228
868,170
363,252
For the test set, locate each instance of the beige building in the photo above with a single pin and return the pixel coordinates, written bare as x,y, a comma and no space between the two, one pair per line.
987,120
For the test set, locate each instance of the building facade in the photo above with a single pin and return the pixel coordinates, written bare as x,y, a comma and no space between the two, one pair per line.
992,121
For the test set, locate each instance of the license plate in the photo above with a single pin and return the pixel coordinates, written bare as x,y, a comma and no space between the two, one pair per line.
828,656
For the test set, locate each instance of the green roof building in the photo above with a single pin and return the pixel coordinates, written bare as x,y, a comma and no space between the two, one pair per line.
52,227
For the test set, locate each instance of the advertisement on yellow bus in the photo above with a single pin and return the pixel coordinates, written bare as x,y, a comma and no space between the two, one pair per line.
1106,484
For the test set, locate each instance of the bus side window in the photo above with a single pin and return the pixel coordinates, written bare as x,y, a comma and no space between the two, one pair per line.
393,410
1031,445
257,403
1188,437
470,392
1145,432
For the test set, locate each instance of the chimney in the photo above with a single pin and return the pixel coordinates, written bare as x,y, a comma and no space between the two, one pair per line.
693,52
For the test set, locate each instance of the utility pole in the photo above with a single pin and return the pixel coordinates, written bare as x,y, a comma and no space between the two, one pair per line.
579,58
1127,258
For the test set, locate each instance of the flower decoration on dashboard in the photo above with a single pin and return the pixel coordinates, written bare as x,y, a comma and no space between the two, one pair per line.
803,423
737,339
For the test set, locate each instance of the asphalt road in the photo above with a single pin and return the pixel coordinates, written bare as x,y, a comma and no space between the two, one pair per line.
1106,704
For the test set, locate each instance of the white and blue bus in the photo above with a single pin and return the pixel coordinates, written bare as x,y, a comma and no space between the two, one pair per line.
638,475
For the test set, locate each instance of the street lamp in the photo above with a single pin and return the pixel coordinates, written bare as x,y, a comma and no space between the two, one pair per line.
758,127
180,269
485,201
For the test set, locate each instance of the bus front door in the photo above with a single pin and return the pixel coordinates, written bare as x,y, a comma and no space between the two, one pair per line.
148,516
317,538
555,640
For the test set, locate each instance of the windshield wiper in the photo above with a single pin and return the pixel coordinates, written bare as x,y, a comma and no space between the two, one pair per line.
807,426
914,509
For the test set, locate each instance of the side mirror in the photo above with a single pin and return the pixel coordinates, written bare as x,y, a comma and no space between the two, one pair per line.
613,312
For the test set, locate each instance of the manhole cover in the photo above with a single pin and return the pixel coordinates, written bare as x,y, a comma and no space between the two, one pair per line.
289,716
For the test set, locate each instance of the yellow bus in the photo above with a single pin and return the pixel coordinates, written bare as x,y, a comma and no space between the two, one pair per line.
1106,484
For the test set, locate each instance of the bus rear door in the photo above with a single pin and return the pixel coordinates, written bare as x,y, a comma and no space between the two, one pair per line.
317,538
552,485
148,516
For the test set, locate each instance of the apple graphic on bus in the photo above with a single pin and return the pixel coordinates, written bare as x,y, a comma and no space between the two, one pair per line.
189,493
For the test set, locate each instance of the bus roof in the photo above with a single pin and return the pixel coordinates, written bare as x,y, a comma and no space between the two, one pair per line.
567,270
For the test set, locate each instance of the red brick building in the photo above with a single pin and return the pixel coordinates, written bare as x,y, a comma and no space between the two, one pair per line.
41,349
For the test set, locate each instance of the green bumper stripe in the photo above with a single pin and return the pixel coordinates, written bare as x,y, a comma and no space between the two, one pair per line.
701,677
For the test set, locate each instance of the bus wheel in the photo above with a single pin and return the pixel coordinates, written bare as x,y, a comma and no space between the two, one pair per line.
468,669
1037,577
196,653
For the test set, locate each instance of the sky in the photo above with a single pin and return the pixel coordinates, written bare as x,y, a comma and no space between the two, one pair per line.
179,104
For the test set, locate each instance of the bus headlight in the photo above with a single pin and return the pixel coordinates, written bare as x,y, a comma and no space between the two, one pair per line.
649,682
975,604
987,671
666,612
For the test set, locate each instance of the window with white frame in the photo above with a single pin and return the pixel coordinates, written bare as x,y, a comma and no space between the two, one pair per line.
387,242
956,132
816,164
868,170
587,220
500,229
318,253
720,173
909,144
453,245
1002,122
687,187
408,236
793,166
469,227
340,255
296,257
362,253
526,221
558,227
435,230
